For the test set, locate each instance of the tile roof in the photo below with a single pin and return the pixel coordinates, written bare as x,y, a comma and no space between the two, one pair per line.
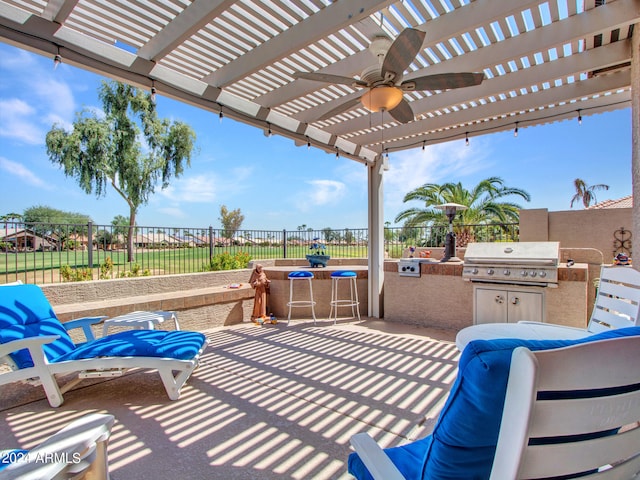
624,202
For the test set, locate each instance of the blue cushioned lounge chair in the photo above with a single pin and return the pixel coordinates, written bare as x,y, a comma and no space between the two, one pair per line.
568,405
36,345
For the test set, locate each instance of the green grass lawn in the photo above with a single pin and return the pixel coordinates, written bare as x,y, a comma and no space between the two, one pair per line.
44,267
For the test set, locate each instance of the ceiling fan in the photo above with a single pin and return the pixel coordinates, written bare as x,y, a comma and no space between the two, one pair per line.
384,84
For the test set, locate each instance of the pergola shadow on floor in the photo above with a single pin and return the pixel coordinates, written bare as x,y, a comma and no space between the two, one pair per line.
266,402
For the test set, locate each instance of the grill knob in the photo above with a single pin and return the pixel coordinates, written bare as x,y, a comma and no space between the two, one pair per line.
490,271
404,269
412,269
474,271
533,274
524,273
506,273
543,274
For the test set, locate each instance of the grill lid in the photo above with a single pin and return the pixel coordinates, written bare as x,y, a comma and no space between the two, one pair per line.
513,253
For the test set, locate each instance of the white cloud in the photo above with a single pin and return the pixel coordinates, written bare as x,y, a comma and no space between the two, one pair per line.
174,212
23,173
326,192
54,96
195,189
45,99
440,163
17,121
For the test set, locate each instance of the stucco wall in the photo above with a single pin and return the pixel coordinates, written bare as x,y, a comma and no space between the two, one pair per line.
202,300
440,298
576,228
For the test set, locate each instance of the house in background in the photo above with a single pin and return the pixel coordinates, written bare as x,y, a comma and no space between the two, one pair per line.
23,239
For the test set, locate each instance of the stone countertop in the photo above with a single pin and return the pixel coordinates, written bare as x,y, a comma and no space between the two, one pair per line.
282,272
578,272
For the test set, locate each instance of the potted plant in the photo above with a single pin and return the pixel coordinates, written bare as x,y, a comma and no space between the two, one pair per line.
317,257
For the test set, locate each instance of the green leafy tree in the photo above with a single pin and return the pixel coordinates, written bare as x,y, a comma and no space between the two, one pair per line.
47,221
108,150
484,205
585,193
103,239
348,236
44,214
231,221
10,217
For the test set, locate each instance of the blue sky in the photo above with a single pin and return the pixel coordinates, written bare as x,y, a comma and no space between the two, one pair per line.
275,184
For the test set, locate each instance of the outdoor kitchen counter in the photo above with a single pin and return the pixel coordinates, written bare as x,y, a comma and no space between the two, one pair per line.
441,298
321,290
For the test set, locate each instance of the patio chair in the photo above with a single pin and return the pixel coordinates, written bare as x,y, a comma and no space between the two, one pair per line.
77,451
527,409
617,306
36,345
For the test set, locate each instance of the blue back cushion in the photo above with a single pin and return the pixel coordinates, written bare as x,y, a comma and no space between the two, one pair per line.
463,442
181,345
26,312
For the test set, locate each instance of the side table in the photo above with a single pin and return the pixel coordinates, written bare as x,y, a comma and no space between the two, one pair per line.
141,320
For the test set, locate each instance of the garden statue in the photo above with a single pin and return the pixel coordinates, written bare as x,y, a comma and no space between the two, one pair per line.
260,283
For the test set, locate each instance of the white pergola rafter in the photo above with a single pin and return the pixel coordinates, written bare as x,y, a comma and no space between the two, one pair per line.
544,60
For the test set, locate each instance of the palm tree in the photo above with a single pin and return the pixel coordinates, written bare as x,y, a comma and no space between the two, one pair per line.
586,193
481,202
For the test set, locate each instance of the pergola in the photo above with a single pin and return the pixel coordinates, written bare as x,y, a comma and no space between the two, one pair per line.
543,61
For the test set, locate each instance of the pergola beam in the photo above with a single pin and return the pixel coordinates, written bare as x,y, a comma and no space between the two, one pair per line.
539,40
328,20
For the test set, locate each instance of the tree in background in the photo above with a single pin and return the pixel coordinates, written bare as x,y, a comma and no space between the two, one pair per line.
46,221
231,221
103,150
482,202
120,228
10,218
585,193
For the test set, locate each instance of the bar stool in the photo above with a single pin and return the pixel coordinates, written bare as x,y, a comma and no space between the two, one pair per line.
301,275
352,301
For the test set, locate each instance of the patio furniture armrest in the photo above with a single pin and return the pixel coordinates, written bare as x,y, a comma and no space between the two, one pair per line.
33,344
379,465
79,450
85,323
532,322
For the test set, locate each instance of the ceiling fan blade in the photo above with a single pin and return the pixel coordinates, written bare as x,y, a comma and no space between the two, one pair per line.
403,112
343,107
443,81
402,52
329,78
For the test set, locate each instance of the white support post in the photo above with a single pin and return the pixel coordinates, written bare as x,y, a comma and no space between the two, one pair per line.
376,237
635,141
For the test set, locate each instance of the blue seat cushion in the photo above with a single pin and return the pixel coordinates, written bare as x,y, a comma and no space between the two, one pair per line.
181,345
343,274
463,442
301,274
26,312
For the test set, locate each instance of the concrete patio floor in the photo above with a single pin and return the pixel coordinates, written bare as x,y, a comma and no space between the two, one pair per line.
268,402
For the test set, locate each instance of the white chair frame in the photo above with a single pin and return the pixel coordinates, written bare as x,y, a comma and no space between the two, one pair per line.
78,451
600,367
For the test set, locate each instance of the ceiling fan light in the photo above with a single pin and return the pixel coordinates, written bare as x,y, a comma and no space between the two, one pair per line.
381,98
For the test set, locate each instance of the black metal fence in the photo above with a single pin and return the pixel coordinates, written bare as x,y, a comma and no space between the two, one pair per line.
52,253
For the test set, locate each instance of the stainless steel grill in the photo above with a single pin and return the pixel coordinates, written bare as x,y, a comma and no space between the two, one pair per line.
519,263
